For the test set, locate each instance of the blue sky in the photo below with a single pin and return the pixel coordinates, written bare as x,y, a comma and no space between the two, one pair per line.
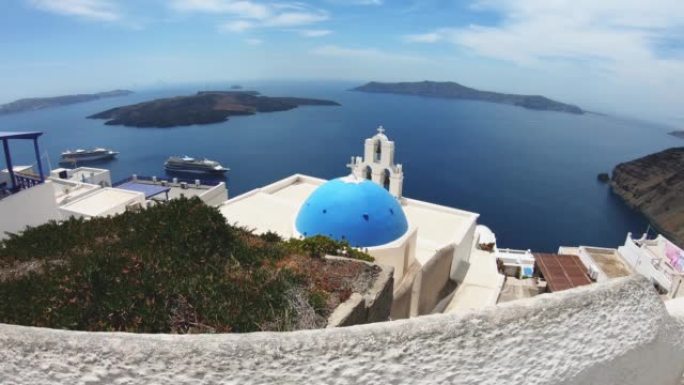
616,56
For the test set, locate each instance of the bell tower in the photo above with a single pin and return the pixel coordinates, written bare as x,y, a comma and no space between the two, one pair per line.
378,164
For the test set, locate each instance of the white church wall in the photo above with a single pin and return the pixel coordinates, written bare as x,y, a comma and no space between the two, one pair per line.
402,302
442,226
435,275
462,250
395,253
614,333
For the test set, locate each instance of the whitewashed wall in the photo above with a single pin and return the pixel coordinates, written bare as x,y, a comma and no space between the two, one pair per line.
613,333
215,196
462,251
30,207
400,253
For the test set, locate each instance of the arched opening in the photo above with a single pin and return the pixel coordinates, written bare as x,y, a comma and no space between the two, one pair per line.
386,179
368,174
377,151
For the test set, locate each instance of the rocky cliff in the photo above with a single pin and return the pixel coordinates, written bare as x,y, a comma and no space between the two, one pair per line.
654,185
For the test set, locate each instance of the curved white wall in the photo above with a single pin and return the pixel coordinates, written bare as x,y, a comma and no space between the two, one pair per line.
613,333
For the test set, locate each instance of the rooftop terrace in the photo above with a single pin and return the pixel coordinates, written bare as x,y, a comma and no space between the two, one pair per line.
212,192
103,202
561,272
609,261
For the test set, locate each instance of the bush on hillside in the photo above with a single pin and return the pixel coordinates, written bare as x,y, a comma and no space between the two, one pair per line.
172,268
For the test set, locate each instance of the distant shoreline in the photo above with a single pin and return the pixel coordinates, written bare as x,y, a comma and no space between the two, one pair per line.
33,104
452,90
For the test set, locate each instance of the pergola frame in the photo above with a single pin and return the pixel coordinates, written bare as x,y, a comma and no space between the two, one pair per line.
6,136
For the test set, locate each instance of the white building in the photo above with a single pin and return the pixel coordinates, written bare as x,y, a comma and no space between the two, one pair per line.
658,259
29,198
428,245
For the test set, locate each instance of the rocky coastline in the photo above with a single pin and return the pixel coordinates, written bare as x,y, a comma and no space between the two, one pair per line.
654,185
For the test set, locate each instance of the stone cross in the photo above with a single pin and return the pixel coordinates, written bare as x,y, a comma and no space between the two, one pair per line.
350,166
381,129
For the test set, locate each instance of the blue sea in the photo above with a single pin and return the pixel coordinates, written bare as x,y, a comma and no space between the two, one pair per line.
530,174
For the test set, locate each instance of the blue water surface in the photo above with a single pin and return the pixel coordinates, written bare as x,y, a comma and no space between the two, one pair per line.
530,174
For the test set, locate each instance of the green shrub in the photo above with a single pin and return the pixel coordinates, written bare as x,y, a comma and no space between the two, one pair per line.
175,267
318,246
319,301
172,268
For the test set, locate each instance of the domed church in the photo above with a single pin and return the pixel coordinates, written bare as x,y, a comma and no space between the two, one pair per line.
429,246
354,210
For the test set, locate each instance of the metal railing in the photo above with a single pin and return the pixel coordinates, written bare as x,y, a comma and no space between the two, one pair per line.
21,181
189,181
515,251
24,181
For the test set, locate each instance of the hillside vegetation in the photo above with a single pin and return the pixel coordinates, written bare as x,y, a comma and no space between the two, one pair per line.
173,268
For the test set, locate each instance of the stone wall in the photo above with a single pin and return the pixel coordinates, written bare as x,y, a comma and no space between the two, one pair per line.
618,332
374,305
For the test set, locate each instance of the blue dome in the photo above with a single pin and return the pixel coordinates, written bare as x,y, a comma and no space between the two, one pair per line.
359,212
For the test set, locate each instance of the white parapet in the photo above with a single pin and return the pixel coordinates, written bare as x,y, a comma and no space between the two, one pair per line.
103,202
618,332
98,176
30,207
215,195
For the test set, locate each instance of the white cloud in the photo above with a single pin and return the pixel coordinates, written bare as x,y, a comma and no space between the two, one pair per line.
620,43
616,33
248,14
315,32
365,2
99,10
240,8
430,37
363,54
236,26
254,41
294,19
